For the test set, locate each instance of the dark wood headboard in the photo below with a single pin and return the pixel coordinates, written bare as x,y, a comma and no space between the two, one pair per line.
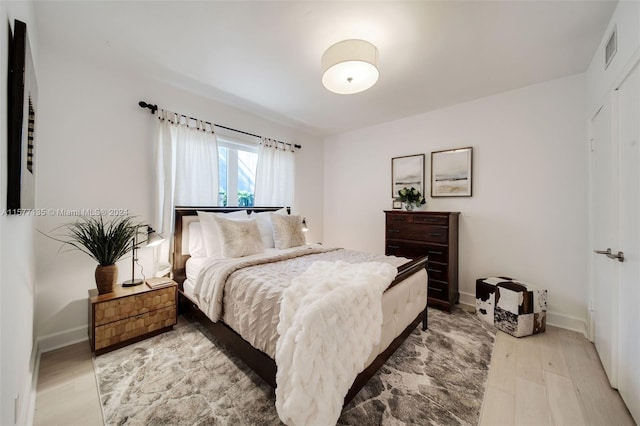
179,260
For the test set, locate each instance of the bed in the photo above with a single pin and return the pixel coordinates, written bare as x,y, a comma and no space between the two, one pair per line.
404,300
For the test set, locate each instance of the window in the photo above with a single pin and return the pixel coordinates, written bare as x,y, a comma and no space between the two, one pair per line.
237,163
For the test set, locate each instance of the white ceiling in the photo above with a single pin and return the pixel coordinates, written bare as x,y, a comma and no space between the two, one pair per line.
265,56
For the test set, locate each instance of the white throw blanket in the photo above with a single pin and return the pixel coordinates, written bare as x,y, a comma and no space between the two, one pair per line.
209,287
330,319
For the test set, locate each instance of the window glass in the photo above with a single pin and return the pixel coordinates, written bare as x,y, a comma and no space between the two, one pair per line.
237,166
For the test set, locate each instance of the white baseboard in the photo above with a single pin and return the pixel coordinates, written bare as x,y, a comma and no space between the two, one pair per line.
555,319
28,410
63,338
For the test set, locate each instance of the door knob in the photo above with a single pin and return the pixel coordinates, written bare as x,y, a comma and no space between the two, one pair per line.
607,251
619,256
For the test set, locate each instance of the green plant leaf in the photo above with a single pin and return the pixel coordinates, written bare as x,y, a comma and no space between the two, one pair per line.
106,243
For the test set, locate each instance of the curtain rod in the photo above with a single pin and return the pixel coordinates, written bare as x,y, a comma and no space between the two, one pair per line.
154,108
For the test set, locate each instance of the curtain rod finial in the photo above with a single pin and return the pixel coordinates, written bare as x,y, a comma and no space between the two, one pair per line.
152,108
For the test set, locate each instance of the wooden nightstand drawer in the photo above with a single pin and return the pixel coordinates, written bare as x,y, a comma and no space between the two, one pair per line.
125,307
129,314
135,304
128,328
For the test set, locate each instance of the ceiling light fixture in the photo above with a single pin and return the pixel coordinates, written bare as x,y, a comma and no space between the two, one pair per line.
350,66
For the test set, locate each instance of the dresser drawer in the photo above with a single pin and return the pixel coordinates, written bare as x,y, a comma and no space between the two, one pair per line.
399,218
135,304
405,249
128,328
413,249
426,233
437,253
438,271
438,289
431,220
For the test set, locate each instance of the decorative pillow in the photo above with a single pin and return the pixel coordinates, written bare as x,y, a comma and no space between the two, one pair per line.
266,228
212,242
239,237
287,231
196,240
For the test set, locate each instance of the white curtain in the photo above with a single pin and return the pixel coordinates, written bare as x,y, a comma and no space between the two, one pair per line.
186,172
275,174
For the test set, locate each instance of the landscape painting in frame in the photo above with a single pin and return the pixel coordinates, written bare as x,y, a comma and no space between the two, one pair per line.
451,173
22,103
407,172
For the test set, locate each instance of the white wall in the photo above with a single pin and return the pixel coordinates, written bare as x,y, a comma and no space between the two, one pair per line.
601,81
95,151
528,214
17,266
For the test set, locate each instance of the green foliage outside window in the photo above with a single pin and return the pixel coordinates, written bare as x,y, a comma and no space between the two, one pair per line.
245,199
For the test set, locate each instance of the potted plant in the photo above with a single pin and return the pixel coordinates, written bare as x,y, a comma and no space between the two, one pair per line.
410,196
104,242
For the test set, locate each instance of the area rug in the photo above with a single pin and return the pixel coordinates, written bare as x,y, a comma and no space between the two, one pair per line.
437,377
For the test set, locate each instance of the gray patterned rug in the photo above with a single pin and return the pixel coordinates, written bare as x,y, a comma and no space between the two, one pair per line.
436,377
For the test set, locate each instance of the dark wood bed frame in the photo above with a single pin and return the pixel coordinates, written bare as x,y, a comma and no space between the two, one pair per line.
257,360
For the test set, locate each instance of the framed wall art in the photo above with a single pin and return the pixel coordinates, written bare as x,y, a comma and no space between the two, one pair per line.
397,204
451,173
22,103
407,171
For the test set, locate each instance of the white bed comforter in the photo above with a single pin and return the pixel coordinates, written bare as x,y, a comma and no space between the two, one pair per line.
330,318
210,284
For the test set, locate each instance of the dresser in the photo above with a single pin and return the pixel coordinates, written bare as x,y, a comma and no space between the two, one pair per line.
129,314
414,234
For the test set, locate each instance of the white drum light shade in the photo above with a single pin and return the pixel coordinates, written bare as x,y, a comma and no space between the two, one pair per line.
350,66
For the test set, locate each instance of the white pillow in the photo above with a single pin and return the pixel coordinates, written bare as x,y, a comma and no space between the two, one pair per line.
210,229
239,237
266,228
287,231
196,240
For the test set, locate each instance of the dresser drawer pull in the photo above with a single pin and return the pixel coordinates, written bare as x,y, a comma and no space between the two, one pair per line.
434,252
397,219
393,247
427,220
393,230
435,289
435,234
434,270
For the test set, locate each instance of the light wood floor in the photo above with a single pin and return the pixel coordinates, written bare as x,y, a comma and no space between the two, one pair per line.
554,378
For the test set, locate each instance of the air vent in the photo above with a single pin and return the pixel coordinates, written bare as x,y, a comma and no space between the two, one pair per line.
611,49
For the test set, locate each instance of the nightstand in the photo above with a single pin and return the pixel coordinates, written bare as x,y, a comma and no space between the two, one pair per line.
130,314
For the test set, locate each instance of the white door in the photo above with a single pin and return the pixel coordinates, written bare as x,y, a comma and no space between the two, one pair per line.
628,124
604,233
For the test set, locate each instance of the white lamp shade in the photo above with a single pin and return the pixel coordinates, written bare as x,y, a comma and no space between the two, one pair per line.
154,239
350,66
